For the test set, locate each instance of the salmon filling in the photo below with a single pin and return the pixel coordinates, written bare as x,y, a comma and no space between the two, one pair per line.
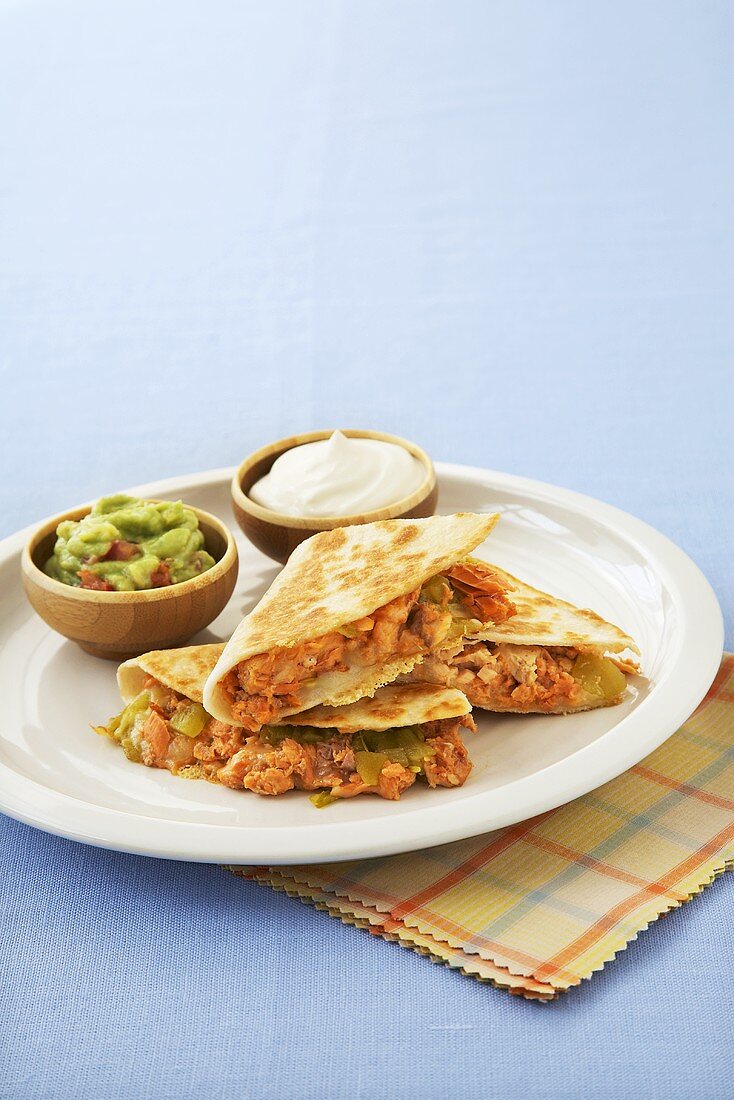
526,678
260,689
279,759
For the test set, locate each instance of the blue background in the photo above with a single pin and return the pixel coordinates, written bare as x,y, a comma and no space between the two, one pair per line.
503,230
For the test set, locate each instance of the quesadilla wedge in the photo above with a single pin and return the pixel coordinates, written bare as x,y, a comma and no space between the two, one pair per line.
549,658
349,613
378,745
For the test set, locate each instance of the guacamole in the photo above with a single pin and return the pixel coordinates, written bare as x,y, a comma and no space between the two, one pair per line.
126,544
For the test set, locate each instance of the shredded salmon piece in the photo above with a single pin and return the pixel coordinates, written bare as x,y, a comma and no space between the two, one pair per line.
394,779
273,769
511,677
483,593
451,765
217,742
228,755
155,739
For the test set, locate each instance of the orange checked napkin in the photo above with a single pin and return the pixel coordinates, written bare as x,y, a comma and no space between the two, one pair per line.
539,906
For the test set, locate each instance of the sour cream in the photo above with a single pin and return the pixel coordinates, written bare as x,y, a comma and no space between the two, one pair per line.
339,476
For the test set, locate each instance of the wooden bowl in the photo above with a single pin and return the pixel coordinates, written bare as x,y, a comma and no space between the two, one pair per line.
277,535
118,625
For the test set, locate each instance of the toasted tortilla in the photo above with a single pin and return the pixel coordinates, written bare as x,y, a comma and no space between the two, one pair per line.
185,671
391,706
541,619
337,577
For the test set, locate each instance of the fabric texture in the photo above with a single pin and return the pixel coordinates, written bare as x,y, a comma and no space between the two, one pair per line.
538,907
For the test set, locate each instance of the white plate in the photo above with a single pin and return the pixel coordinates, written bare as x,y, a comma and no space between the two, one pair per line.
55,773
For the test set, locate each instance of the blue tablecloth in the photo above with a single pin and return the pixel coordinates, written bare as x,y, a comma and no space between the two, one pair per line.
503,230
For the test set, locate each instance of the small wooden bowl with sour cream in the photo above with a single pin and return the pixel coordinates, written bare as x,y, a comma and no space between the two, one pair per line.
118,625
277,533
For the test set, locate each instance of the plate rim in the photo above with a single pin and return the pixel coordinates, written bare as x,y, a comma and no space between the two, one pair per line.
34,804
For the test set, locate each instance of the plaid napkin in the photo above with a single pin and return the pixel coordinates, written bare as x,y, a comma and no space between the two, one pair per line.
536,907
